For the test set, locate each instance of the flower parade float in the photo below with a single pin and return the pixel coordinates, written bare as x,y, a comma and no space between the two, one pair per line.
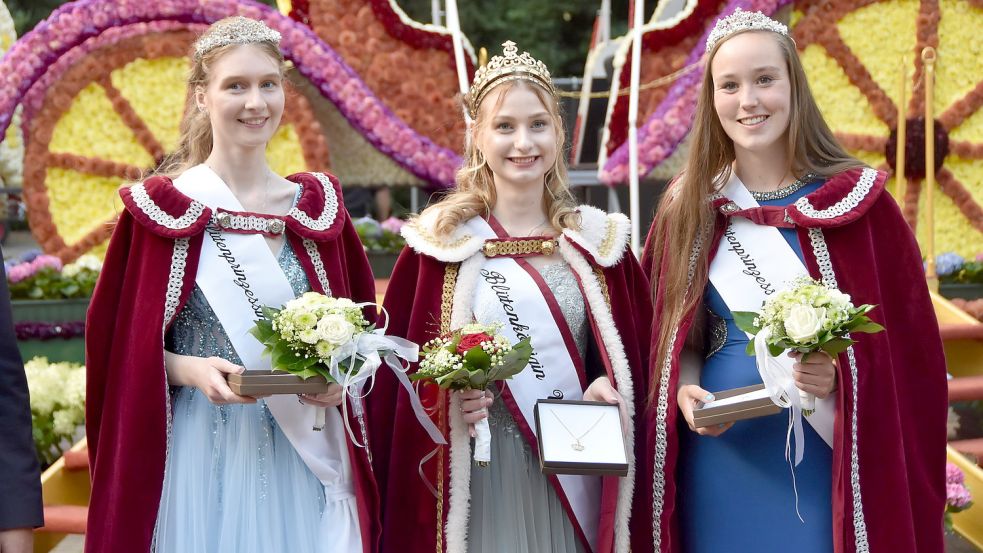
102,88
852,51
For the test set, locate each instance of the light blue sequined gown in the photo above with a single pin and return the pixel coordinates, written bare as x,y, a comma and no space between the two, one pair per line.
514,508
233,482
735,491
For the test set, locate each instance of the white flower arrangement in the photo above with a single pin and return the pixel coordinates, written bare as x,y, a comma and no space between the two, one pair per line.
806,317
306,336
57,405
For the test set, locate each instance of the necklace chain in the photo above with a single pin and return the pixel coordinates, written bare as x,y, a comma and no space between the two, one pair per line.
784,191
577,445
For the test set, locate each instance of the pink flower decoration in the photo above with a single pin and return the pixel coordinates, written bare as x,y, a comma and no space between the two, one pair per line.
392,224
953,475
46,262
20,272
957,496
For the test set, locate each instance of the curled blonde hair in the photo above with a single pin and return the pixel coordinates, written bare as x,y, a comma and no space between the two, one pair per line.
195,142
474,193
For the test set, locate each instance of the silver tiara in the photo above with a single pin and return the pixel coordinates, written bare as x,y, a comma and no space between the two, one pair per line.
235,30
741,20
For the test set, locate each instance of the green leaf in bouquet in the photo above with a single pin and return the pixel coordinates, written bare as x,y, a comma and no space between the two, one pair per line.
749,350
869,327
513,362
478,380
270,313
745,321
477,358
776,349
453,378
263,331
836,346
282,354
306,373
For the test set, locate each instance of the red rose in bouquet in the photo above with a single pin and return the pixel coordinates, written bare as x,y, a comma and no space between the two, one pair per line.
469,341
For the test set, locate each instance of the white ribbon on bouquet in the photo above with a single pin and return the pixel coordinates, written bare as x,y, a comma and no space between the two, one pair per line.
396,352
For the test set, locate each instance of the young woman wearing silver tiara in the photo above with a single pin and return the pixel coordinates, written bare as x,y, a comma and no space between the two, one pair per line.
179,462
508,245
767,192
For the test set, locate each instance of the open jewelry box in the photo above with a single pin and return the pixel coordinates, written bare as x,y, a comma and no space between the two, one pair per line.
266,382
580,437
736,404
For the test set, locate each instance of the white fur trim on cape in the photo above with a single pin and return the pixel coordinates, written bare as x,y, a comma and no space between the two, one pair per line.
603,235
462,311
622,376
460,245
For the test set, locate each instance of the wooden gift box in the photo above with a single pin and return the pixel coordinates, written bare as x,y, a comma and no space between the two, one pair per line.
603,451
758,404
266,382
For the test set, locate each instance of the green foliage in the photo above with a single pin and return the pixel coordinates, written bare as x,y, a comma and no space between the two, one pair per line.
970,273
51,284
477,371
282,356
558,33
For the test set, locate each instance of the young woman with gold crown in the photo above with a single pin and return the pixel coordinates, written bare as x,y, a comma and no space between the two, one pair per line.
179,462
768,193
509,246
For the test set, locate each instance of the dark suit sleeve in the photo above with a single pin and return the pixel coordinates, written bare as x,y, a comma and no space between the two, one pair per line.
20,477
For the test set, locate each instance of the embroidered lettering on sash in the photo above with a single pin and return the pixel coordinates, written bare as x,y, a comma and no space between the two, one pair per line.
240,280
750,266
500,287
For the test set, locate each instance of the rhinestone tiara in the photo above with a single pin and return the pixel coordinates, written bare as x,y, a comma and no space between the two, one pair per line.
509,67
741,20
235,30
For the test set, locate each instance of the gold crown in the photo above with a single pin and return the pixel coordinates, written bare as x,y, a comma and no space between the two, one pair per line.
235,30
502,69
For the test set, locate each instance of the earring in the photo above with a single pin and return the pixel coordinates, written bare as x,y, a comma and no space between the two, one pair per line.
202,109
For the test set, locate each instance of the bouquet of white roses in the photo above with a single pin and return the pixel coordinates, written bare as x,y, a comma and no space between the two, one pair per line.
318,335
807,317
310,335
471,358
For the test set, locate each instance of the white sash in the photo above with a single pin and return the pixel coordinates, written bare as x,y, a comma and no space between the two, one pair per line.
239,275
752,263
506,293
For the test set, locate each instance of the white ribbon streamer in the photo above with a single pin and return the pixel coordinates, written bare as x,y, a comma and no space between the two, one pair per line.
398,353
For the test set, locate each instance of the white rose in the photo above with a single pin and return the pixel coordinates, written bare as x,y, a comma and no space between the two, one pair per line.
335,329
804,322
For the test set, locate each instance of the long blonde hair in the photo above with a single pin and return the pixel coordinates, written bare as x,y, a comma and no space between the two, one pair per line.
195,142
474,193
685,213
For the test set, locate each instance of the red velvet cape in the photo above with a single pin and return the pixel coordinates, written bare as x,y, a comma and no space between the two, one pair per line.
901,382
413,300
127,403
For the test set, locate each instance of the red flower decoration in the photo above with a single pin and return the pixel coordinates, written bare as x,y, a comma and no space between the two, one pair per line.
469,341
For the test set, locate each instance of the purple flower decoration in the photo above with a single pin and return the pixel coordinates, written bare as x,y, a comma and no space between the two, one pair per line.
668,125
948,263
72,24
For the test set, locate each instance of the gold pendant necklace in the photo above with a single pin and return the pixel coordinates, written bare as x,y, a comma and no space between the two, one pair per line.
577,445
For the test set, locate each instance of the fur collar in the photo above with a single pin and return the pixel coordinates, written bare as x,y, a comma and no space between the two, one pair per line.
602,236
160,207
